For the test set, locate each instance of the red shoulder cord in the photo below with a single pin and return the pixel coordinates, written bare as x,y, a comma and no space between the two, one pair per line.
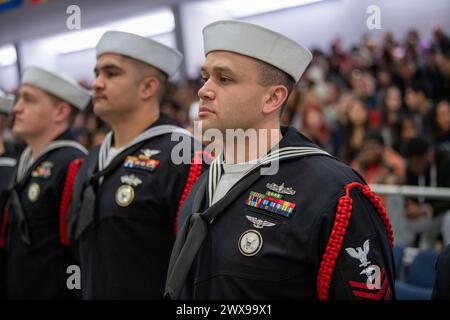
343,214
67,198
195,171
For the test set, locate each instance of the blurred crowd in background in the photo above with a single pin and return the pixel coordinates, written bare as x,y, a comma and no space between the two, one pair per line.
380,106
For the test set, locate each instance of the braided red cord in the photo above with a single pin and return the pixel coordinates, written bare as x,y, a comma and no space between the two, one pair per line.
67,198
195,171
343,214
4,223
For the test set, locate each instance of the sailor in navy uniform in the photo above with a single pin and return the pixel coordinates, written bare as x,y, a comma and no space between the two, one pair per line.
292,222
7,163
127,194
40,191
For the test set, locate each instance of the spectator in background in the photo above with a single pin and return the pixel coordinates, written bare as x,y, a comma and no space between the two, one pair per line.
390,115
186,96
444,65
337,60
343,107
441,127
330,103
355,130
377,163
406,70
363,86
434,74
441,40
384,79
426,215
419,106
93,130
390,52
314,126
174,110
407,130
413,46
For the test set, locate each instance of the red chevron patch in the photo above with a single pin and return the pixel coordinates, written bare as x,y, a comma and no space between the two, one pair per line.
383,293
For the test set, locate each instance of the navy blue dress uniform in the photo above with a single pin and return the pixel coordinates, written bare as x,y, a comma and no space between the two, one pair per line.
7,163
6,172
37,259
277,236
39,194
123,220
294,224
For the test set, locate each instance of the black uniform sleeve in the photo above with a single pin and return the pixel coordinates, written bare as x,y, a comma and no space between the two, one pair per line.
441,290
364,266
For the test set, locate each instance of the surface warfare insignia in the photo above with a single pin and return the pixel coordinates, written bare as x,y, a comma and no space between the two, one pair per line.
44,170
259,223
33,192
143,161
280,189
272,202
250,243
125,193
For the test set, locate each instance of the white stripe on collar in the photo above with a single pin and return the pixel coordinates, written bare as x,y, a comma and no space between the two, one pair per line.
215,171
26,161
7,162
147,134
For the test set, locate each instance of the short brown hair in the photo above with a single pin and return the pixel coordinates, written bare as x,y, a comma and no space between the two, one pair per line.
271,75
144,70
73,110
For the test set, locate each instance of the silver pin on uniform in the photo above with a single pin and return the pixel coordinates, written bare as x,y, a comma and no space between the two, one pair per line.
259,223
250,243
280,189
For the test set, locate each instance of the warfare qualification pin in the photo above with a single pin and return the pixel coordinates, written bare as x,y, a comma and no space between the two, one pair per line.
280,189
124,195
33,192
250,243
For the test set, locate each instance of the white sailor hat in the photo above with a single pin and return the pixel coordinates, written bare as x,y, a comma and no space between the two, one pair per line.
6,102
140,48
257,42
58,85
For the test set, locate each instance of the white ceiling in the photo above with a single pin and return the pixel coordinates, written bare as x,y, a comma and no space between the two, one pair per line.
26,21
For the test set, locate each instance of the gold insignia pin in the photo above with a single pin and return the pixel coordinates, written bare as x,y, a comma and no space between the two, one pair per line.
124,195
33,192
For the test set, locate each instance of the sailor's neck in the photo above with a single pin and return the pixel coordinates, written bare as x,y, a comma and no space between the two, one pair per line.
251,148
126,131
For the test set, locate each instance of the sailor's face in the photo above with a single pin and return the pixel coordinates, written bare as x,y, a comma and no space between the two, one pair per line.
115,91
33,112
231,96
